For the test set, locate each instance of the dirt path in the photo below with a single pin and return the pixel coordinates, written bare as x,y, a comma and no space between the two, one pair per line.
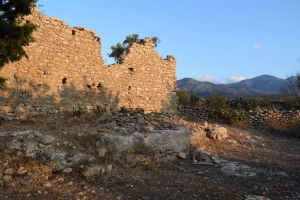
274,159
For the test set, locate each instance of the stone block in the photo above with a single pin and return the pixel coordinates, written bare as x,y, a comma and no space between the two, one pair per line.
182,155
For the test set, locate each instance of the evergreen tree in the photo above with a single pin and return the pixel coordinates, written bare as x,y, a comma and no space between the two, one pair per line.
13,34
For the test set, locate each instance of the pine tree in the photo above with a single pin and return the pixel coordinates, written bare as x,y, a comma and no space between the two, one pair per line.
13,34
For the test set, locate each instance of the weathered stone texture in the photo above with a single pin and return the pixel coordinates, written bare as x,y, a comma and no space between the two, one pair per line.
259,117
37,86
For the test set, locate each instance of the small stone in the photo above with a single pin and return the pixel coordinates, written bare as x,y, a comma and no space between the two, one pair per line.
67,170
70,183
148,129
21,171
81,166
7,178
233,142
80,134
61,180
9,171
65,142
92,159
141,120
109,168
216,160
182,155
204,155
101,152
38,134
30,136
46,139
42,146
204,125
282,173
48,185
92,171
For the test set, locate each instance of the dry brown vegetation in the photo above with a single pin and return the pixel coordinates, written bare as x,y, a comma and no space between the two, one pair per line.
290,128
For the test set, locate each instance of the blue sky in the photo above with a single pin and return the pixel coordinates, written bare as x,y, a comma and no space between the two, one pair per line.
220,41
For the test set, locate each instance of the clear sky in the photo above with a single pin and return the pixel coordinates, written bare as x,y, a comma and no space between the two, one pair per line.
220,41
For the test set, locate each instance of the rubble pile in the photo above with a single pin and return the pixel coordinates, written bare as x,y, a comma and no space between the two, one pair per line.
128,121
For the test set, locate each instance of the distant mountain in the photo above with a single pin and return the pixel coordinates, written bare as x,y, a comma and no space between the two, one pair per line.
263,82
249,88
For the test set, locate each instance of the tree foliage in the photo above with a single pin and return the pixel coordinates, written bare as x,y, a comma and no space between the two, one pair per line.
118,49
188,98
292,90
13,34
243,103
217,102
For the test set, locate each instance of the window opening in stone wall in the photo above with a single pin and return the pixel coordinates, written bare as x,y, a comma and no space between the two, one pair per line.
64,80
99,86
131,70
45,73
73,32
97,39
129,87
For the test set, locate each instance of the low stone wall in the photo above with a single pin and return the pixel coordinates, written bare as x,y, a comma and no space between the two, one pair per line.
194,113
259,117
264,116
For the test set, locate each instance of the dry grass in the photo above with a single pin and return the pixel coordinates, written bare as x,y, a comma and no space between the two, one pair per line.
30,165
291,127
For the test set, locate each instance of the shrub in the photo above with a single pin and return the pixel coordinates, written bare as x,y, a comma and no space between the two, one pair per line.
218,104
188,98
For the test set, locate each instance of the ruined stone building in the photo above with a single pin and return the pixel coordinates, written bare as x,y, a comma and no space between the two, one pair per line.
66,72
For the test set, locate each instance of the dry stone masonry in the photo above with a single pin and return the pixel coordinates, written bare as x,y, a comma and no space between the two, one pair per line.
262,117
65,71
259,117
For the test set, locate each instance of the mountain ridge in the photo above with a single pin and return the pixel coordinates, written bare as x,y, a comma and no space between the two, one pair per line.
250,88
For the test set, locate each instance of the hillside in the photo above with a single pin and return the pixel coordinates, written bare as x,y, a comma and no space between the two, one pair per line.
249,88
263,82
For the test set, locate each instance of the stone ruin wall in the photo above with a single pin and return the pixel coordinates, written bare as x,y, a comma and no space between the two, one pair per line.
35,85
260,117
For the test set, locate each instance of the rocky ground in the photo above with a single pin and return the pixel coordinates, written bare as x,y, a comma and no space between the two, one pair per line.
60,157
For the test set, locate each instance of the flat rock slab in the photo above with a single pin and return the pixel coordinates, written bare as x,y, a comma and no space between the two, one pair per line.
17,133
160,141
238,170
47,139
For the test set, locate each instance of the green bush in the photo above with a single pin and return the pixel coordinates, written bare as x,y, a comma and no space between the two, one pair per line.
188,98
119,48
218,104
